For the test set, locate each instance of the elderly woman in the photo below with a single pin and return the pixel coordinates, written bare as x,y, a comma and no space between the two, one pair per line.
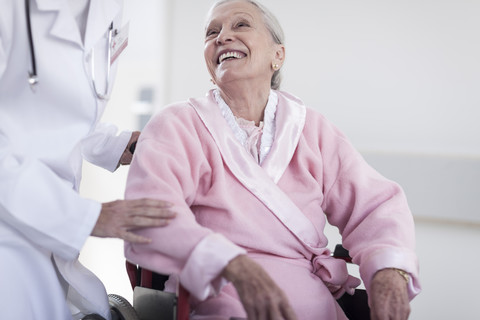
254,175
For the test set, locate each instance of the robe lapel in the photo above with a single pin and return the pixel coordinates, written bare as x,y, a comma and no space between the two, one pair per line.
290,120
261,181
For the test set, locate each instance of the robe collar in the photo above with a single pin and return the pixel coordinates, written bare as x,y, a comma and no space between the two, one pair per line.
262,180
268,123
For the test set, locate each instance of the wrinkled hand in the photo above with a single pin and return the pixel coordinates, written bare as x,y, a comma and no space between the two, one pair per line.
389,296
118,218
260,296
127,155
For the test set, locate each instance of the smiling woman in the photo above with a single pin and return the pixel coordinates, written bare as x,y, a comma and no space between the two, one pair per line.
258,37
254,175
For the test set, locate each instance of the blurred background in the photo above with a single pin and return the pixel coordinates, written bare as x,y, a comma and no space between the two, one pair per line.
400,78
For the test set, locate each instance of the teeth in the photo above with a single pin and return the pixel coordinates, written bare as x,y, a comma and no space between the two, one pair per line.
227,55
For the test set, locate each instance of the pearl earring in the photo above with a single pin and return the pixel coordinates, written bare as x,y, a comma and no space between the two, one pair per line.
275,66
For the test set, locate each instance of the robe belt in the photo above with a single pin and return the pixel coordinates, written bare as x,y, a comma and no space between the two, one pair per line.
333,272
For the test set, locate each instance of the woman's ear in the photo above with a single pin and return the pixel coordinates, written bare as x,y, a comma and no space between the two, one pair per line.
279,55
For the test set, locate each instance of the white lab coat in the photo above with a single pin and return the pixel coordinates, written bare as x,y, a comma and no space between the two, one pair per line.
44,135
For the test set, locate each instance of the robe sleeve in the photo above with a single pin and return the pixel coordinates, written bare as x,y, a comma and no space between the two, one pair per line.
370,211
170,164
103,147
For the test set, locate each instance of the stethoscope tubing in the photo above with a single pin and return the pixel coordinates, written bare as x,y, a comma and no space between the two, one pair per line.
32,75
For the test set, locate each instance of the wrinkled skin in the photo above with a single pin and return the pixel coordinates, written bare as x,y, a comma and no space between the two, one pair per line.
389,296
119,218
262,299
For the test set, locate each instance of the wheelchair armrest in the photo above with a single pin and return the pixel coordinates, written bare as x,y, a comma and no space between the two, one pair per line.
341,253
148,287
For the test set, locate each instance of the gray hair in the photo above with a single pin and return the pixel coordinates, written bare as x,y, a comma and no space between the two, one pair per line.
273,27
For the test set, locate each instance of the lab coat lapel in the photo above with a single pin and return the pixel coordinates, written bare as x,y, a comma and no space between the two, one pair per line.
262,181
64,27
100,14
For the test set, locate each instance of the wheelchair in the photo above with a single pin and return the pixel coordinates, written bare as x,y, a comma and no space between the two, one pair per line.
150,302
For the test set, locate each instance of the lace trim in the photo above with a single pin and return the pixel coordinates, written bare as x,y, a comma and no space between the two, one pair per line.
268,123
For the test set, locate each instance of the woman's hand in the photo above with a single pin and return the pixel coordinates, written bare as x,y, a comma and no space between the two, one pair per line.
118,218
389,296
262,299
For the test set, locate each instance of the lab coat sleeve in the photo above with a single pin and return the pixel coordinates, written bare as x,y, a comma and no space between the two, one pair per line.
103,147
370,211
169,164
41,206
34,200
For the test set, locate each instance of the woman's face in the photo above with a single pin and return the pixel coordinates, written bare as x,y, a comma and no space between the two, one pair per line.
238,45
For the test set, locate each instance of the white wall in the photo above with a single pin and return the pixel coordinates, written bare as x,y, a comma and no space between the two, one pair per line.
400,78
394,75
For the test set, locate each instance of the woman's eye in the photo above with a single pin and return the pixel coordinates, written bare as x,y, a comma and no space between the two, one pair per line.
242,24
211,33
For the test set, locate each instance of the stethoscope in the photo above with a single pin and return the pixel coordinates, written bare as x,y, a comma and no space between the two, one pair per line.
33,75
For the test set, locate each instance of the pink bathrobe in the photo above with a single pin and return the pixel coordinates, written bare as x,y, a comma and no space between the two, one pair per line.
275,212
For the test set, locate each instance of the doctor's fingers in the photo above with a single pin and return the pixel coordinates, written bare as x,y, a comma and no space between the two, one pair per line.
133,238
136,222
150,208
117,217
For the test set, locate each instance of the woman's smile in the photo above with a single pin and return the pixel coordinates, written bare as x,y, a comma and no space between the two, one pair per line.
230,55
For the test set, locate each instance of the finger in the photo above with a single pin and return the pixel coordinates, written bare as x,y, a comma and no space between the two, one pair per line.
156,214
250,314
288,313
250,310
135,238
150,208
151,203
402,313
263,315
141,222
378,313
275,313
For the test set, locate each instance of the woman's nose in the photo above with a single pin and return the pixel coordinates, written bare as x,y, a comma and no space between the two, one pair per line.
225,35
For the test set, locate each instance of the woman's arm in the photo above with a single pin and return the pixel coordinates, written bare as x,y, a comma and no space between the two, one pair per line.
370,211
170,164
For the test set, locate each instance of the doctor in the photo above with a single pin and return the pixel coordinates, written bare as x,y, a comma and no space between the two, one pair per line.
57,64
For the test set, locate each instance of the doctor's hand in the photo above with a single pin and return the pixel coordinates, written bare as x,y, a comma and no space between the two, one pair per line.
389,296
119,218
127,155
262,299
